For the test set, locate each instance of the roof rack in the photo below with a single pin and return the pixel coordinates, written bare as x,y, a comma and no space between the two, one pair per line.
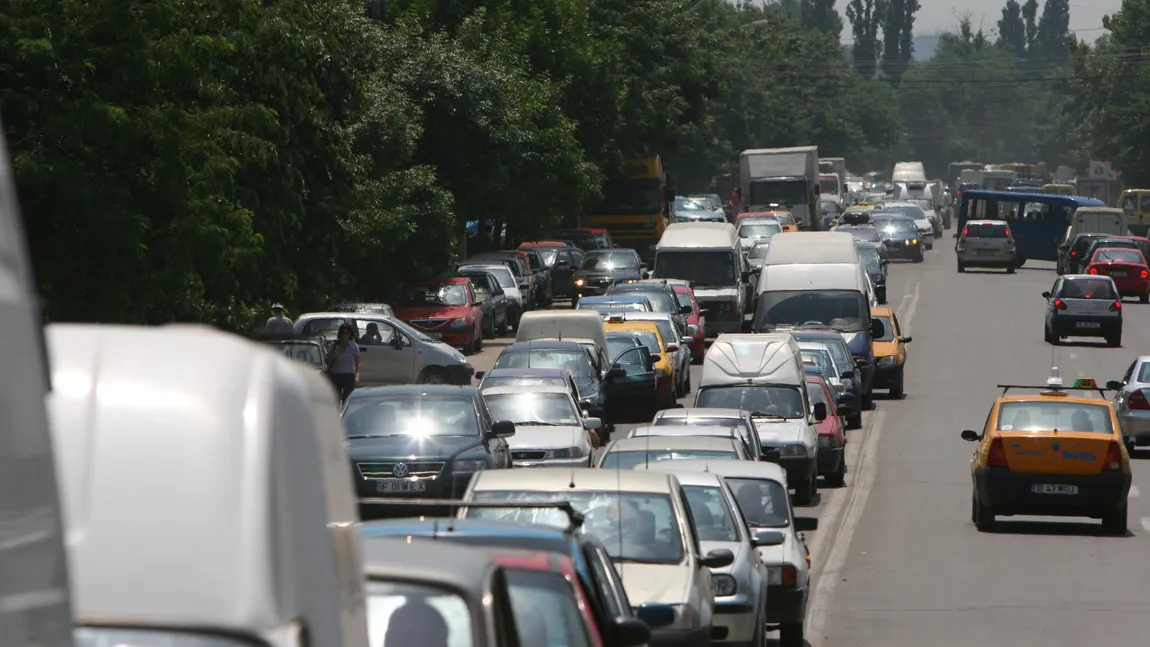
1054,385
574,517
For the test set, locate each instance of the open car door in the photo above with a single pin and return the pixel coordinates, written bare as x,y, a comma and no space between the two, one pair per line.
629,385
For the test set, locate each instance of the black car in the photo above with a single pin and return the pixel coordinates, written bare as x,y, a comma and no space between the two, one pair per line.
584,239
875,264
1072,258
562,263
421,440
900,237
618,394
602,269
862,233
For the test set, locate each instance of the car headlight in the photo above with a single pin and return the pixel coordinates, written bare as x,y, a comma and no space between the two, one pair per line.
827,442
781,576
723,585
888,361
580,282
793,450
568,452
459,321
464,467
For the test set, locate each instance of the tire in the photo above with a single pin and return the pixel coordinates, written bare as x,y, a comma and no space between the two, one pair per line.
855,421
434,375
867,401
839,477
1046,336
1115,522
489,333
920,258
982,516
477,340
961,267
896,386
1144,298
502,329
1010,270
791,635
1115,340
687,385
805,492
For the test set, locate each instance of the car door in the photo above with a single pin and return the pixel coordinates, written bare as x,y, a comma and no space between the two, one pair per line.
498,301
629,383
1128,387
498,448
389,360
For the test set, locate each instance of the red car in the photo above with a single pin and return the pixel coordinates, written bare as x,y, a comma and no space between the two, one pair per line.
1128,269
832,439
696,319
549,604
445,309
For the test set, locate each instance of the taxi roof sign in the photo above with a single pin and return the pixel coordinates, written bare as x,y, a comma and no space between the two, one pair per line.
615,318
1085,383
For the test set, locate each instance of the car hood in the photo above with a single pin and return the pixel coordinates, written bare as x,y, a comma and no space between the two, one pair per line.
407,313
885,348
774,432
655,583
857,343
541,437
423,447
899,235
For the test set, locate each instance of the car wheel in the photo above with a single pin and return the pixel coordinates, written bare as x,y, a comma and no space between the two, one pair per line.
805,492
961,267
839,477
896,385
1010,270
854,421
433,375
983,516
791,635
501,330
920,258
687,385
1144,298
1115,522
477,340
1049,338
1114,340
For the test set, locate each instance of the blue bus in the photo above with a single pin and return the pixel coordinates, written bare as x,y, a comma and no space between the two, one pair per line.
1037,220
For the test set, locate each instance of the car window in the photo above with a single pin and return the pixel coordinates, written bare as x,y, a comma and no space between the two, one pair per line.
770,400
985,231
376,333
629,459
714,519
494,382
1046,416
887,329
400,614
1119,256
574,361
761,230
817,394
651,341
1087,289
546,611
1144,372
758,250
323,327
662,301
379,416
613,260
533,408
607,581
763,502
822,358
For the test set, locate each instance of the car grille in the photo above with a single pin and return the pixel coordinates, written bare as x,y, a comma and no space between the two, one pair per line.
532,455
428,323
386,470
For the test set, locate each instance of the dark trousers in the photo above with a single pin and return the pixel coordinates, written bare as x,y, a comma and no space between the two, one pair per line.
344,383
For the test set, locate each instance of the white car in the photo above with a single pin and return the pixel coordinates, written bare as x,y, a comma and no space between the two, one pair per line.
550,429
760,491
712,417
740,588
626,453
642,521
733,430
516,303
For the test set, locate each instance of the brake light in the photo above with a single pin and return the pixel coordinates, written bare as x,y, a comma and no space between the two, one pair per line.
996,457
1116,306
1008,234
1074,253
1094,270
1059,304
966,232
1114,456
789,576
1137,400
1145,274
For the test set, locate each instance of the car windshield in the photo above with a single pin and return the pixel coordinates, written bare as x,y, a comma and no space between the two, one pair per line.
782,401
829,186
842,310
502,274
687,204
610,261
633,526
608,307
138,637
759,230
817,393
865,234
533,408
400,613
894,226
786,218
714,519
380,416
1088,289
1084,241
323,327
837,347
914,211
306,353
887,329
1046,415
762,502
661,301
496,382
666,331
574,361
704,269
759,250
629,459
985,231
1119,256
650,341
546,611
548,254
822,358
869,256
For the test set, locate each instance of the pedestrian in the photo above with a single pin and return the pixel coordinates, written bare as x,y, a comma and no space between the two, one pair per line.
343,362
278,324
736,198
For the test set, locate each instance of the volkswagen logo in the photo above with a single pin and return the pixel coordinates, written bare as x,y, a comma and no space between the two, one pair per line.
399,470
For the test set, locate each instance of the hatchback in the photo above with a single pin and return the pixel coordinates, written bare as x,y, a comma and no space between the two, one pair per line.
1083,305
986,243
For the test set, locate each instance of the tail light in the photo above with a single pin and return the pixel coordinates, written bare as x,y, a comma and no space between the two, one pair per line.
1008,234
965,232
789,576
1113,456
1073,254
1094,270
1059,304
1137,400
1116,306
996,457
1145,274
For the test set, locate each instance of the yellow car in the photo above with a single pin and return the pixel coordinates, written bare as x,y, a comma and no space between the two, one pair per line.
1054,453
786,220
648,333
889,353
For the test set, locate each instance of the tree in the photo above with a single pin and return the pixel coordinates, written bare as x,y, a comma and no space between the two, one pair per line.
1012,30
1030,15
821,15
1053,29
866,17
898,37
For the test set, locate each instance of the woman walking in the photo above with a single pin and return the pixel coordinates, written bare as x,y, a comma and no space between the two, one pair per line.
343,362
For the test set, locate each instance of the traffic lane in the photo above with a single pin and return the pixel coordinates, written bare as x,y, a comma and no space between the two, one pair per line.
907,566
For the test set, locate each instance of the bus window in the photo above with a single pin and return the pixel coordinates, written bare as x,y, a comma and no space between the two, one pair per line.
1145,202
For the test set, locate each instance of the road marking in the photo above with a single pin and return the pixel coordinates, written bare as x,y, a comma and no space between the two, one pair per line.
1072,355
1146,524
1133,492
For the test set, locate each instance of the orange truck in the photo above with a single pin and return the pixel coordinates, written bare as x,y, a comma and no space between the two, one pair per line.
636,208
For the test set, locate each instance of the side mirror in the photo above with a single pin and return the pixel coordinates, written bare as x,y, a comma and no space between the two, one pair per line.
806,524
906,340
848,375
616,371
686,341
592,423
846,399
1045,295
656,615
632,632
954,236
884,262
477,302
876,327
1114,385
397,341
820,411
718,558
585,403
671,348
970,435
479,374
502,429
692,330
767,537
686,309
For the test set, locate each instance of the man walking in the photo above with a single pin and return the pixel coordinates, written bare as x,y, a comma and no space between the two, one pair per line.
278,324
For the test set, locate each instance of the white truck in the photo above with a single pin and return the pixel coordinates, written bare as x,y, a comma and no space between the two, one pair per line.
782,178
905,172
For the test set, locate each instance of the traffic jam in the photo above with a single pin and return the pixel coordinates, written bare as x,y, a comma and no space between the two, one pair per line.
639,462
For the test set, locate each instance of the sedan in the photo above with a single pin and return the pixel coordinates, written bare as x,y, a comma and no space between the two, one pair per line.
550,430
1132,403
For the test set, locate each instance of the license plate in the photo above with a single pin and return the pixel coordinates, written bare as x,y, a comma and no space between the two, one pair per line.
434,335
1047,488
400,485
1119,274
984,251
1087,324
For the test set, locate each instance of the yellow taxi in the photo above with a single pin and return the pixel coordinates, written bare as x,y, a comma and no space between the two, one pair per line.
1055,453
648,333
889,353
786,220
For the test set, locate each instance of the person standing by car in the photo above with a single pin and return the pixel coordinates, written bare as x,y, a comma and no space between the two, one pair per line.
344,362
278,324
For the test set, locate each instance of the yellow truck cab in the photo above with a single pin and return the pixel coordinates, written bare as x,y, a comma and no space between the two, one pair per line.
1058,452
635,210
1136,204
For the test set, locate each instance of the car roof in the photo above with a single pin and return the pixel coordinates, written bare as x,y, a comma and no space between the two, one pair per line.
1068,397
614,298
561,479
686,477
986,221
464,526
647,316
656,443
454,566
441,280
414,389
528,372
543,344
883,311
702,412
648,285
1083,277
684,430
534,388
736,469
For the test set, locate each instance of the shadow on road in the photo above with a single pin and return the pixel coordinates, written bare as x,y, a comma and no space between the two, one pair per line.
1054,528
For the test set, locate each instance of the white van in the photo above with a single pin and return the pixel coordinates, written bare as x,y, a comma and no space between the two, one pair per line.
35,607
807,247
763,374
207,492
710,256
583,326
1095,220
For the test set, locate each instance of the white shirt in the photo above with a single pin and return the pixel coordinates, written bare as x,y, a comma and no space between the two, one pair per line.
279,324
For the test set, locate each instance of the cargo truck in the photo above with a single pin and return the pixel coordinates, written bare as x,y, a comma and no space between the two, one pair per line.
786,178
636,208
836,166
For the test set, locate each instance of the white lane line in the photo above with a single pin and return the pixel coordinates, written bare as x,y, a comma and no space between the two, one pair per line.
1134,493
1146,524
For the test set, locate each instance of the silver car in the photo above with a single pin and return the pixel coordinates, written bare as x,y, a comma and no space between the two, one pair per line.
1083,305
1132,403
740,588
550,428
986,243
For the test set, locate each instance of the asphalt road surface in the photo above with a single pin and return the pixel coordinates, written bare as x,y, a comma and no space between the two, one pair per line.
897,561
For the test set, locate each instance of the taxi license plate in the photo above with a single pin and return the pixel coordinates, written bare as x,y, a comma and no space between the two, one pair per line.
1047,488
1118,274
1087,324
400,485
434,335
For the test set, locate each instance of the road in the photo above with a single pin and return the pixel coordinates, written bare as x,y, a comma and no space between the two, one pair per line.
897,561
